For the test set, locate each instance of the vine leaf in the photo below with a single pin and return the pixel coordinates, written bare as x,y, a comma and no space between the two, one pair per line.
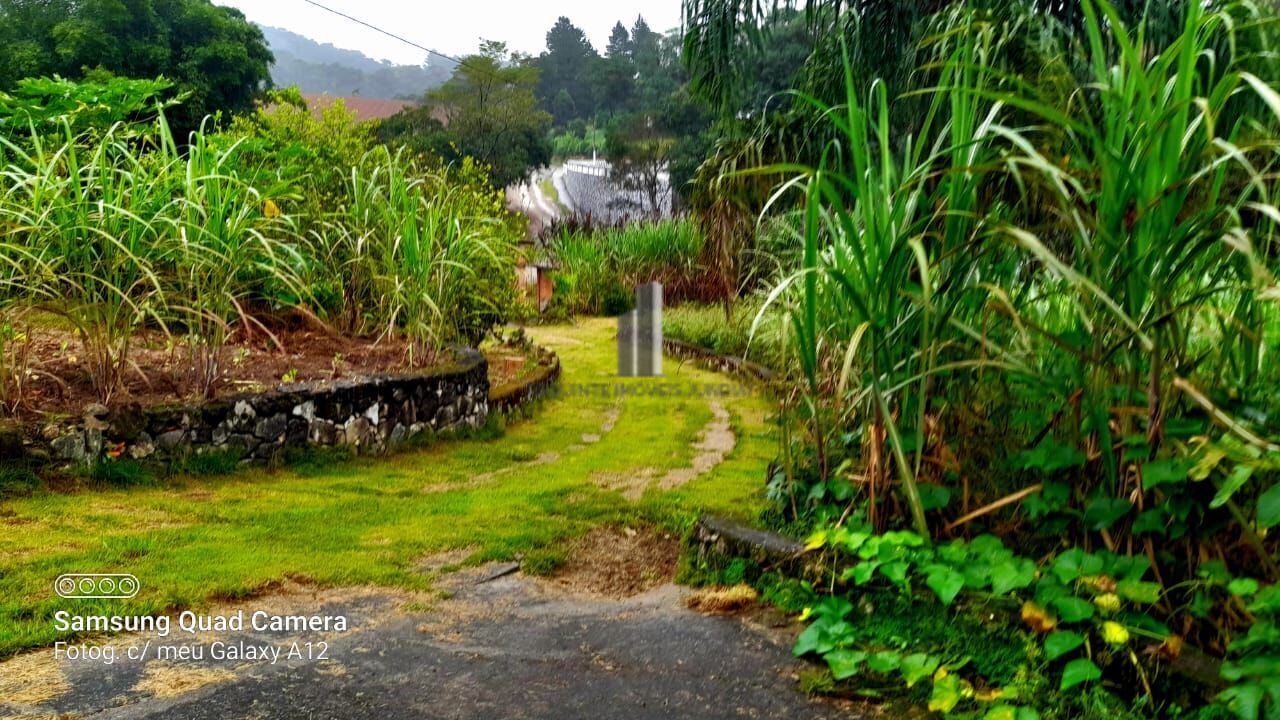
1060,643
1269,508
844,663
1080,670
944,582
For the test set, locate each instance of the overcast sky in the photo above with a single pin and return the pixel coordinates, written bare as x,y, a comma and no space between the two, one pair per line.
454,27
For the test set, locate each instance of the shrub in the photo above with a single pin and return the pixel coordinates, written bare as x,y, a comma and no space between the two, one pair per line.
599,269
115,229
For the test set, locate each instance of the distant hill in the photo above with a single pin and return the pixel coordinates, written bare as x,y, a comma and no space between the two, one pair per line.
324,69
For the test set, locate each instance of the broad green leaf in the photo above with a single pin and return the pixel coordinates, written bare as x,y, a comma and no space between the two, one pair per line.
1050,456
844,663
905,538
1267,601
839,488
944,582
1012,575
1244,700
1150,522
833,607
988,547
1146,593
1242,586
1165,472
934,497
863,571
1074,564
1239,475
885,662
1060,643
918,666
1080,670
977,574
946,694
1073,609
896,572
1105,512
1269,508
1049,589
1127,567
850,541
817,540
808,640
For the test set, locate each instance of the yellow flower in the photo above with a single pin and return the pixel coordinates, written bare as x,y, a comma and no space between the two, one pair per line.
1114,633
1108,603
270,209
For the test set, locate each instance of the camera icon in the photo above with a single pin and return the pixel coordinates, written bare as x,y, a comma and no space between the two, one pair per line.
96,586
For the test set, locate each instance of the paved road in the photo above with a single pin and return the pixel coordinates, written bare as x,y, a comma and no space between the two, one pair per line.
512,647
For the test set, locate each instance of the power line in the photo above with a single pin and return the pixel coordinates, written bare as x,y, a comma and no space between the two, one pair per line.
406,41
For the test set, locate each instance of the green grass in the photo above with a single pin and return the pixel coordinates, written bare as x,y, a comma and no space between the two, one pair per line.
705,327
367,521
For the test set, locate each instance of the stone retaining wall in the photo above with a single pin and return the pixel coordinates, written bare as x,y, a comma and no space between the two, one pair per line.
537,384
719,363
369,415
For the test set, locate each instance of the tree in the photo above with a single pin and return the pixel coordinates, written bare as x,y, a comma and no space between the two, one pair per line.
212,53
879,34
490,113
619,42
615,81
568,66
641,155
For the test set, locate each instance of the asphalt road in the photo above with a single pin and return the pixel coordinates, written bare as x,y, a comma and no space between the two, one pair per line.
511,647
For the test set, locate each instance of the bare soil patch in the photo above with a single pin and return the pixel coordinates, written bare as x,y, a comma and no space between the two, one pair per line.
508,364
160,366
715,442
289,352
443,561
618,562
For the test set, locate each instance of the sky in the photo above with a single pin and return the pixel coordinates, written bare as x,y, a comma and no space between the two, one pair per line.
453,27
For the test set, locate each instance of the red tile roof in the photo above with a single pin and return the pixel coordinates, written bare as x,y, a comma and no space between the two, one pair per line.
364,108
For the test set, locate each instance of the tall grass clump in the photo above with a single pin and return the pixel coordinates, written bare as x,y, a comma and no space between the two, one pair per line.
1043,308
705,326
1101,258
125,230
894,263
419,254
1166,192
227,256
84,232
599,269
